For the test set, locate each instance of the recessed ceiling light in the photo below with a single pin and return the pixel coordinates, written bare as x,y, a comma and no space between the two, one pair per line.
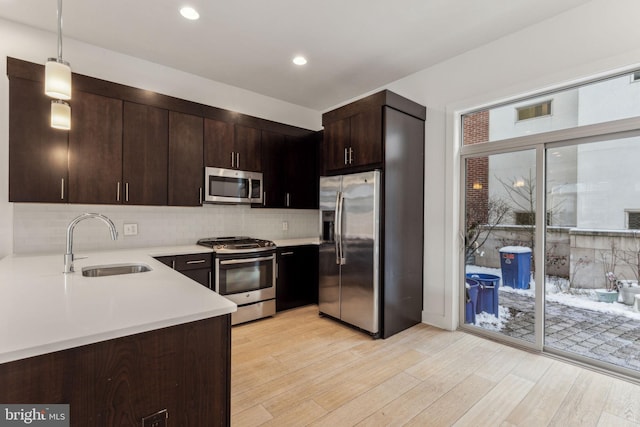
189,13
299,60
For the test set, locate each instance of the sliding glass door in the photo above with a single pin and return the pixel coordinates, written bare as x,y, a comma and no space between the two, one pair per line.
550,222
593,251
500,230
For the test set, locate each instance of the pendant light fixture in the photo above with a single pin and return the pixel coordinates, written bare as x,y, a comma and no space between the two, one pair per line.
57,83
60,114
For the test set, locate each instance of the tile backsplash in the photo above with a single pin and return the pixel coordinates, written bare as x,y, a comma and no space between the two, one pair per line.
41,228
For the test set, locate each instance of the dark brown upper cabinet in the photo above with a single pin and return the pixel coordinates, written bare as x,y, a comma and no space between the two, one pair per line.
117,152
301,182
231,146
95,149
354,135
37,152
145,145
354,141
219,150
273,160
128,145
186,166
248,148
290,171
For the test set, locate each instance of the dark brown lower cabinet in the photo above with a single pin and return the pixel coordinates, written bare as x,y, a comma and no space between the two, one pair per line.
195,266
297,283
184,369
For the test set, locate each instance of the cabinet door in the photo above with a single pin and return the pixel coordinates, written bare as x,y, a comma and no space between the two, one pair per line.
185,159
200,275
273,168
145,144
301,177
37,152
336,141
366,138
95,149
247,147
218,144
297,277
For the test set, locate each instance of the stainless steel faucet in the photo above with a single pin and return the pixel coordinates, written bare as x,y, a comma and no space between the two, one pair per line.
68,257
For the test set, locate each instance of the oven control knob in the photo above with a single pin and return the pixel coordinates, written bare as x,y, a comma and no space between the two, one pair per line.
248,295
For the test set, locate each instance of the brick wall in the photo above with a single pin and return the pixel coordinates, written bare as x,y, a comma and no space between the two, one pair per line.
476,130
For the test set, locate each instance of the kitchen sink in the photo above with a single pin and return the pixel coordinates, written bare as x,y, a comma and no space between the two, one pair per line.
114,269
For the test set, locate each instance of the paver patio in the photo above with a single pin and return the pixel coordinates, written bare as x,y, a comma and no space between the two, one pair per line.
601,336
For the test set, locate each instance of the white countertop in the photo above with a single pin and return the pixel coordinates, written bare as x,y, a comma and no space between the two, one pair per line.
44,310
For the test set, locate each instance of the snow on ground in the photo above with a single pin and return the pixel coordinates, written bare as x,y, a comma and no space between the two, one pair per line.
584,298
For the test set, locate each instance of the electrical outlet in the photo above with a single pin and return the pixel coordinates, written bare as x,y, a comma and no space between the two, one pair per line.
131,229
159,419
285,226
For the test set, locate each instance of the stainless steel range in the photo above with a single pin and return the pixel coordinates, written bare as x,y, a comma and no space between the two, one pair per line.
245,272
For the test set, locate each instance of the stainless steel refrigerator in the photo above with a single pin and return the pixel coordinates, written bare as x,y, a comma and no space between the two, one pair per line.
349,280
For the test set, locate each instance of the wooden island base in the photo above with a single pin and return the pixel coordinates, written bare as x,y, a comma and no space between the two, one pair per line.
185,369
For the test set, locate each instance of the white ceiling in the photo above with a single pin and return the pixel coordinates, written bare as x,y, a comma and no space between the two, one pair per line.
353,46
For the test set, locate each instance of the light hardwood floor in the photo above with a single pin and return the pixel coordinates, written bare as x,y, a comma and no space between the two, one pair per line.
299,369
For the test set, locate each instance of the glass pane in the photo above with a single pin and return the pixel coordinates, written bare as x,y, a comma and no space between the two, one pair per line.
499,240
592,253
606,100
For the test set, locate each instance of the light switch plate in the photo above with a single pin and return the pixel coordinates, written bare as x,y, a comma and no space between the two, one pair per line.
285,226
131,229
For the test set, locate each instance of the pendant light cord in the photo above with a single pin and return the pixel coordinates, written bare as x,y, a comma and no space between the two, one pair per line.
59,30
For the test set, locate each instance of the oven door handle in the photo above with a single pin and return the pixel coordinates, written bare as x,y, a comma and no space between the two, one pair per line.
247,260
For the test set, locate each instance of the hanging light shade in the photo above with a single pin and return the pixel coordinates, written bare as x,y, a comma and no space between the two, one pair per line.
57,72
57,79
60,115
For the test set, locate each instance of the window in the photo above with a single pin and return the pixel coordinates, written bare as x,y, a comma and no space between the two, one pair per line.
633,220
525,218
598,101
533,111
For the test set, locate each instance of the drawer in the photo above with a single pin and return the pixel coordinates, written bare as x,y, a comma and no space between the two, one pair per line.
192,261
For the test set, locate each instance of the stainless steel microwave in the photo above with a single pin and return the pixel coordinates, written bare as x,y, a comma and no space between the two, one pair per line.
232,186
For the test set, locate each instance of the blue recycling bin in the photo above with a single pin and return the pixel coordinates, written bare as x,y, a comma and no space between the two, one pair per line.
515,263
488,292
472,289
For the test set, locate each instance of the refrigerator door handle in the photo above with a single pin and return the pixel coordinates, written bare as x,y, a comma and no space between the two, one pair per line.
340,216
336,228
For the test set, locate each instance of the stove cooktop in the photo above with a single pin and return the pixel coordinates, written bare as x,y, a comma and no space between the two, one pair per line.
236,243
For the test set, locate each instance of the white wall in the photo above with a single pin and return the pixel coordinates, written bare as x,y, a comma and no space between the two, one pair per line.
586,41
17,224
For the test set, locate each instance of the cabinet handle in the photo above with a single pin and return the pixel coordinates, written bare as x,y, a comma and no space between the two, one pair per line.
173,264
350,155
126,191
197,261
210,280
264,198
61,188
118,192
286,253
346,158
238,160
233,159
288,200
200,195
